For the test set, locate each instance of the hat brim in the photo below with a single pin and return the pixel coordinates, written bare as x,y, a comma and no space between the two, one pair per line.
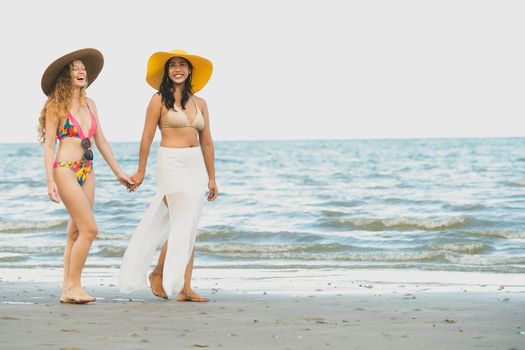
201,73
92,59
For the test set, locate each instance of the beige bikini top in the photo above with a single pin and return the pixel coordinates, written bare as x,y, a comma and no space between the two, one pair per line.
179,119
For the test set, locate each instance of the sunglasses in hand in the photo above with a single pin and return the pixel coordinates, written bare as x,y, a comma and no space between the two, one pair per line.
86,145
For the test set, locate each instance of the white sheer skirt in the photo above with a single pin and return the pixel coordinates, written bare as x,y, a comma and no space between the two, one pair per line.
182,179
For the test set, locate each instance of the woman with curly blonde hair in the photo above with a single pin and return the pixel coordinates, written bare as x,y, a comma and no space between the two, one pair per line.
71,116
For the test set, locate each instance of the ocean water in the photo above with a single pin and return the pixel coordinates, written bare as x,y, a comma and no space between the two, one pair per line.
444,204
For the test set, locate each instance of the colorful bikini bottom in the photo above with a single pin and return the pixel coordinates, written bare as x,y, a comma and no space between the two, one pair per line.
81,168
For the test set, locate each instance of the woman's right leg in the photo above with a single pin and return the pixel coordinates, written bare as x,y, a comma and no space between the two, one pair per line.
72,235
155,277
79,208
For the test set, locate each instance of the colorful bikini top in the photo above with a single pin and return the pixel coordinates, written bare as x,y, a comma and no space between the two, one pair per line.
72,128
179,119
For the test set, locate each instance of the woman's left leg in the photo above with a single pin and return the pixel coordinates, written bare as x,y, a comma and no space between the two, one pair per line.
72,233
155,277
187,294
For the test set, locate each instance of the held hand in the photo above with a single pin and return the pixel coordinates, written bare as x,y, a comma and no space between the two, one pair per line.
214,191
52,191
137,178
126,181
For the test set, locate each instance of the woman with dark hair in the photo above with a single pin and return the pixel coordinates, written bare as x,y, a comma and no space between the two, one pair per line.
71,117
185,169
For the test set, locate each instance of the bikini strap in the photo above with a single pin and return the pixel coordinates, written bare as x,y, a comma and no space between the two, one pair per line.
195,103
93,122
91,113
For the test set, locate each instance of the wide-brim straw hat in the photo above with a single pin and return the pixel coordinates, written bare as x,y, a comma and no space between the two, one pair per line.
201,73
92,59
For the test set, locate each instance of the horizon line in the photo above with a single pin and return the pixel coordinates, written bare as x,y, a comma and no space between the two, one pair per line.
317,139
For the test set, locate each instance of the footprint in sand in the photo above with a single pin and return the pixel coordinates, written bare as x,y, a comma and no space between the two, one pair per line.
447,321
8,318
316,320
72,330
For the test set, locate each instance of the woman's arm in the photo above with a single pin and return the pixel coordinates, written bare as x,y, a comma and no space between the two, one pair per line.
105,149
208,151
148,133
49,154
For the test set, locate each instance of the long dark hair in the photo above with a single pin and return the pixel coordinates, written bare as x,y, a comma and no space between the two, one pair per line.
167,88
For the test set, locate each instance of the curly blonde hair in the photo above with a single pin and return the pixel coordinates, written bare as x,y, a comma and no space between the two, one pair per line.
59,102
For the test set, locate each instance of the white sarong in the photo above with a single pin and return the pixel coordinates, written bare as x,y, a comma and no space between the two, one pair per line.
182,179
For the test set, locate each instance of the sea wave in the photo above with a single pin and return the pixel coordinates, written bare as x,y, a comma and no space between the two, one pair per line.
318,252
273,248
463,207
471,248
109,236
334,213
232,234
339,203
400,224
497,234
110,251
515,183
33,250
470,254
16,183
14,258
485,260
21,226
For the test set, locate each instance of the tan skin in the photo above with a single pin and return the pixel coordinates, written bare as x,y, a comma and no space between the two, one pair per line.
176,138
78,200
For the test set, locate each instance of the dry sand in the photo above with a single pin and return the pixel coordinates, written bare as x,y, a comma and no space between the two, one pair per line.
360,315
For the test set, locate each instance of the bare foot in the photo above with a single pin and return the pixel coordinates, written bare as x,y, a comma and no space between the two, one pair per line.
77,295
63,298
190,295
155,281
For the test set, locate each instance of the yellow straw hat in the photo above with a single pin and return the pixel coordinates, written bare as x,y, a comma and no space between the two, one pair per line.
201,72
92,59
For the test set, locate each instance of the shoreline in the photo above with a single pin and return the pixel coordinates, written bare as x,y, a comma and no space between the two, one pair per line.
298,281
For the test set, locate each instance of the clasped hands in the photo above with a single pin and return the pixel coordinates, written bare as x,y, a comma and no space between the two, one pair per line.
131,182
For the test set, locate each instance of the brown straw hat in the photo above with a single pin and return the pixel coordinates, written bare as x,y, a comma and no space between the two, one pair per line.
92,59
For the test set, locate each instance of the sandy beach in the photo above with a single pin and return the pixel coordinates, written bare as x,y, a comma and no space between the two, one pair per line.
362,313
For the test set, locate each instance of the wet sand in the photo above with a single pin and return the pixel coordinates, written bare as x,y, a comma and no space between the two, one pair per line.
358,315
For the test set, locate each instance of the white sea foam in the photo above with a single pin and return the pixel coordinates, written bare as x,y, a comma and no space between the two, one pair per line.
23,226
405,223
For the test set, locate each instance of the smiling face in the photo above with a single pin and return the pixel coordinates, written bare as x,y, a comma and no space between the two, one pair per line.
178,70
78,74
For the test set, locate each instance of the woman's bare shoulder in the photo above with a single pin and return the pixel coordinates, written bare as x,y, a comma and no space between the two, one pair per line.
156,98
90,102
200,102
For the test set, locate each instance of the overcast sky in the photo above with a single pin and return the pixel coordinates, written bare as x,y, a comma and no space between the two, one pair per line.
284,69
